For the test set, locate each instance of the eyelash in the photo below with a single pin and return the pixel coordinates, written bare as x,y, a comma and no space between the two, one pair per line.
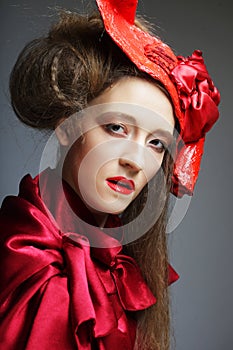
160,149
108,127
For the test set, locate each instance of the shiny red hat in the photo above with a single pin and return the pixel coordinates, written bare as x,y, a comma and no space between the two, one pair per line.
193,94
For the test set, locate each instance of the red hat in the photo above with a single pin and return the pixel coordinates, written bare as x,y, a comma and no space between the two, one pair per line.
193,94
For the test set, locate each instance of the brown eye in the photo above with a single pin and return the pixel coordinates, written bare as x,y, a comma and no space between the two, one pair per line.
158,145
115,128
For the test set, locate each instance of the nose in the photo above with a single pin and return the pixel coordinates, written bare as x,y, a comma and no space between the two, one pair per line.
133,158
128,162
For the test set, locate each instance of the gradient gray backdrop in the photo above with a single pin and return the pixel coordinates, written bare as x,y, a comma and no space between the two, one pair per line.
201,247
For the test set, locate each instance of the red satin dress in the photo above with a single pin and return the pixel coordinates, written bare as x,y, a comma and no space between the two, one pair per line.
58,290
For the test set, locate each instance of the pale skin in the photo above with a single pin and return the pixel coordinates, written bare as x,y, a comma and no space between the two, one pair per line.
119,145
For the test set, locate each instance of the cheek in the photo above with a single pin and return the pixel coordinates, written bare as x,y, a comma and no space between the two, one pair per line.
91,171
153,165
78,153
96,159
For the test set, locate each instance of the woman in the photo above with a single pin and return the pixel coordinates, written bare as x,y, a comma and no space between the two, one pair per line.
84,256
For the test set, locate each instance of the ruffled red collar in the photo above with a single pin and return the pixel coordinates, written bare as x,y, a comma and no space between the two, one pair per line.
44,253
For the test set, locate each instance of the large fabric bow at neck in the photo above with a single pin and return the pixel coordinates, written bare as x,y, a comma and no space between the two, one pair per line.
38,261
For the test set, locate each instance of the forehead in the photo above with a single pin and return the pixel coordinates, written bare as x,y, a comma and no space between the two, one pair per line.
139,94
131,114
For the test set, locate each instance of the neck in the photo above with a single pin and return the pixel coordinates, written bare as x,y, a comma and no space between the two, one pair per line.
100,218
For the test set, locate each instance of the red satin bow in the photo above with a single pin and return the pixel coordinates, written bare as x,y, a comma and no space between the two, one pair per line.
49,276
199,97
199,100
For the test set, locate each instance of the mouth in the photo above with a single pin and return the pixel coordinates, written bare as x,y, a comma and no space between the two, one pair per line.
121,185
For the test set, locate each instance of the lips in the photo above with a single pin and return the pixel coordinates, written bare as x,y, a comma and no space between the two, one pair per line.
121,185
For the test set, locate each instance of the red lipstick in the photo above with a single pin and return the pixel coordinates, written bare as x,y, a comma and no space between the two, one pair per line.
121,184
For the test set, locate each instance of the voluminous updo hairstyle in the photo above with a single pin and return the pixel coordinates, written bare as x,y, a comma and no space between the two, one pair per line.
57,75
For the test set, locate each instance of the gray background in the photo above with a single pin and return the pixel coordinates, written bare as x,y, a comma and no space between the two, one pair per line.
201,246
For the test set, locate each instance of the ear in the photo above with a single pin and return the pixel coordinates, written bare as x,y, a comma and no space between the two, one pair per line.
62,133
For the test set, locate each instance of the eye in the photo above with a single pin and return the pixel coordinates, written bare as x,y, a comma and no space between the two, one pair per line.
114,128
158,145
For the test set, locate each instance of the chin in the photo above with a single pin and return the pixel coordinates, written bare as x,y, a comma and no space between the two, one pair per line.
117,211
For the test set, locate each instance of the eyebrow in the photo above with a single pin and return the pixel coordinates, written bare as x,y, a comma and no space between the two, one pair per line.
130,119
118,115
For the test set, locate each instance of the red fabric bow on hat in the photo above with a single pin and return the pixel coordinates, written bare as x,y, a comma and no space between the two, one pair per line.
193,94
199,100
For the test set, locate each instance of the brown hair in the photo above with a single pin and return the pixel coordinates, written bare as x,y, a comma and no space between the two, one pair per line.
150,252
56,76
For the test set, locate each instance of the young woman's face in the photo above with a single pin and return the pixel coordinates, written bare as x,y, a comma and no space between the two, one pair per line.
123,147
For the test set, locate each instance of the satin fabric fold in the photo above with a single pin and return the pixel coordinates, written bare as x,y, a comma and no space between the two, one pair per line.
57,291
